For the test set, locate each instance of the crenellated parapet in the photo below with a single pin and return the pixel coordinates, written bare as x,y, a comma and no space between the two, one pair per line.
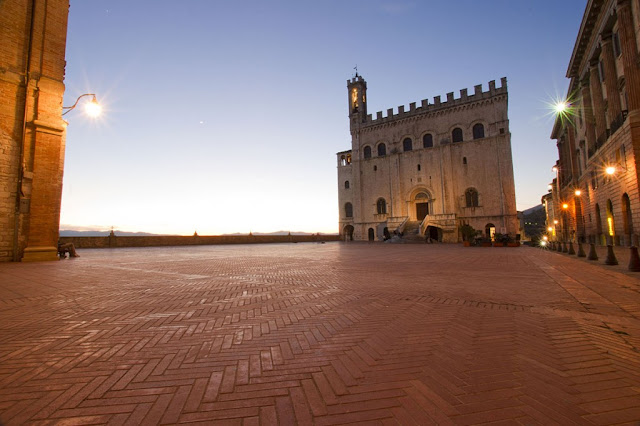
438,104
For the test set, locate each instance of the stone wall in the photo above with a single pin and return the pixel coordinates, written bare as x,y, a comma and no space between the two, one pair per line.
179,240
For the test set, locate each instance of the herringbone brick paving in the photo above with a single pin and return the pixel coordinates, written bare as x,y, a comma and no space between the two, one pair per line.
319,334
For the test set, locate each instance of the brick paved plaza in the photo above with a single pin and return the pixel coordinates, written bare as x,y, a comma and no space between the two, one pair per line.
319,334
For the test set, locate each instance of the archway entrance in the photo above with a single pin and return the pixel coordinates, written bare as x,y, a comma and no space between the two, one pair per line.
490,231
433,234
372,235
420,202
348,233
422,210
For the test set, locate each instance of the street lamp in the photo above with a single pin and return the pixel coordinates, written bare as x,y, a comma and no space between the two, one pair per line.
92,108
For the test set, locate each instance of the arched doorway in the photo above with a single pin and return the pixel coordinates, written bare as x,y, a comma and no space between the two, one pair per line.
490,231
348,233
422,205
627,220
372,235
611,230
433,234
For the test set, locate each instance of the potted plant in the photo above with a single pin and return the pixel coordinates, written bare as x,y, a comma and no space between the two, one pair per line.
468,234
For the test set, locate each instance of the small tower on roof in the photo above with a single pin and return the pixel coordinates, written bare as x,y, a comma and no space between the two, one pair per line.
357,89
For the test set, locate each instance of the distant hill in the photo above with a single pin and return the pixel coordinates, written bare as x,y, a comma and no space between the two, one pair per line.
533,209
70,233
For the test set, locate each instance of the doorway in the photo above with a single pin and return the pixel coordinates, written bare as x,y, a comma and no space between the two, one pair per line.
372,235
422,210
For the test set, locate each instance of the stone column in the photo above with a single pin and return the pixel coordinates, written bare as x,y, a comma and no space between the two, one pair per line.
629,53
589,119
598,103
614,108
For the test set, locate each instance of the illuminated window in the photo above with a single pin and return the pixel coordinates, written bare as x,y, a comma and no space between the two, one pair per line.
456,135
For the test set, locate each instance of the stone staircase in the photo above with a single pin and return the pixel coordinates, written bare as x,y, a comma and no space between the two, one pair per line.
411,233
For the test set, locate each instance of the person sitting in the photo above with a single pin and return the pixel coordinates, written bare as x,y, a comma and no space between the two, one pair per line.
65,248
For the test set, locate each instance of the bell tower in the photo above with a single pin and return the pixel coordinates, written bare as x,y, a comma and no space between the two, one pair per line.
357,89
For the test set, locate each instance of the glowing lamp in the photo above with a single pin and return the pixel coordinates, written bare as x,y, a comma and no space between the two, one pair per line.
544,237
554,169
550,229
561,107
549,187
610,170
565,206
93,108
578,192
543,243
555,222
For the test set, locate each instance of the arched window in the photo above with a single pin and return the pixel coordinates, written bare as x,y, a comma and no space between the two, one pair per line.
346,184
478,131
381,206
427,140
348,210
382,150
464,160
367,152
471,197
456,135
407,144
343,160
419,167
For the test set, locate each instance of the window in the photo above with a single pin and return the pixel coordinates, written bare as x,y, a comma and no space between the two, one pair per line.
427,140
478,131
348,210
464,160
367,152
381,206
418,167
456,135
345,160
616,44
407,144
601,70
471,197
375,168
346,184
382,150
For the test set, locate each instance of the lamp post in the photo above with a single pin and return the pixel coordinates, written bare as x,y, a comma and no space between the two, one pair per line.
92,108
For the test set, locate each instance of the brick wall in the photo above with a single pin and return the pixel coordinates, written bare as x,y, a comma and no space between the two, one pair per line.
32,35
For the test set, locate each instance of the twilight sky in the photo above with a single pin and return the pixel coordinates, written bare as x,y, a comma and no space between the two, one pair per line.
225,116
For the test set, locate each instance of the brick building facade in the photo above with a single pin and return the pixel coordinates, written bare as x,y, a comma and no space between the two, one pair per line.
595,194
32,132
429,169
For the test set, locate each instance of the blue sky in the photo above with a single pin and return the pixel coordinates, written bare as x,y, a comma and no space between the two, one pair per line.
225,116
